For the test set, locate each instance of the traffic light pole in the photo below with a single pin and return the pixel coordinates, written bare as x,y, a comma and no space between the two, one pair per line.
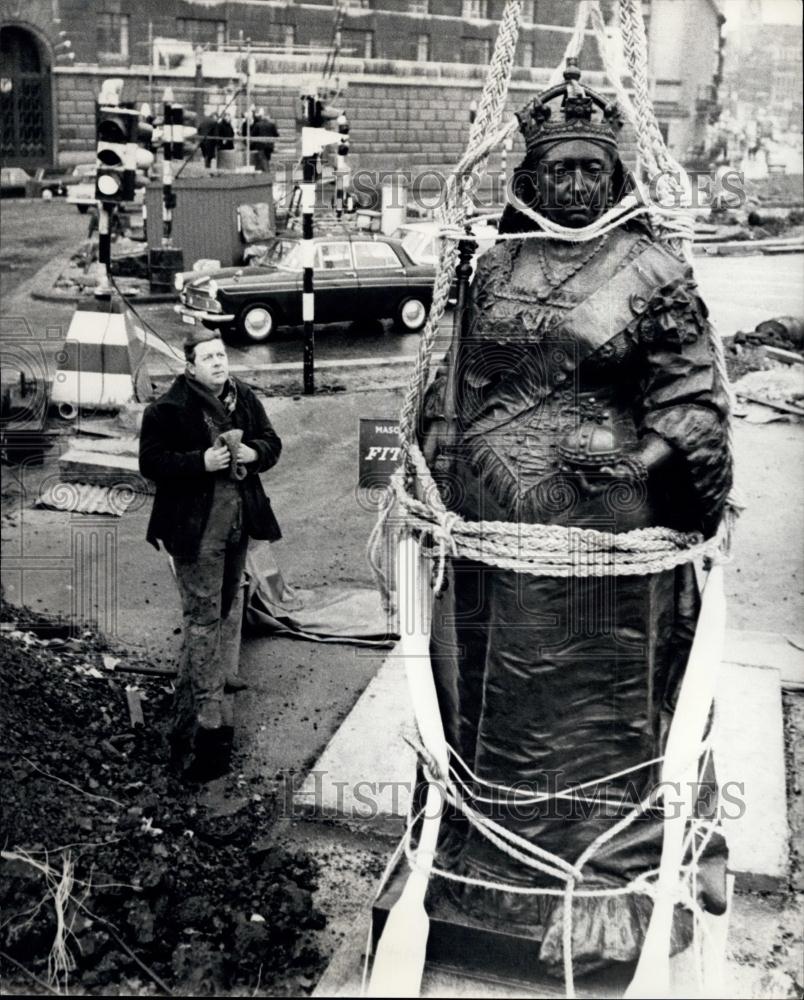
341,169
105,213
314,138
308,256
167,176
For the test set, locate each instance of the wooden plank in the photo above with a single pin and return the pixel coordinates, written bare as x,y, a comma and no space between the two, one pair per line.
772,404
780,354
96,468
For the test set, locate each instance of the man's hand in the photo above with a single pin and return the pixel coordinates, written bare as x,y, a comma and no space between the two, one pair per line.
217,458
246,454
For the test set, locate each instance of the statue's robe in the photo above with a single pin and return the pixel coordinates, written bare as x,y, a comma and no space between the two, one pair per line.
547,683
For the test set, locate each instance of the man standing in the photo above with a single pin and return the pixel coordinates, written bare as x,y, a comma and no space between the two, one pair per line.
207,131
263,133
224,131
204,443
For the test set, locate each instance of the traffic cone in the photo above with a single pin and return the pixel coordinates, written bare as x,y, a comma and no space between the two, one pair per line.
102,363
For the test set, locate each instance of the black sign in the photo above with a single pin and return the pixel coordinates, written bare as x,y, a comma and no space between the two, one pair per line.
380,453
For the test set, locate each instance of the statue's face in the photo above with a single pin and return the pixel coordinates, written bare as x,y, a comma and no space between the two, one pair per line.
574,180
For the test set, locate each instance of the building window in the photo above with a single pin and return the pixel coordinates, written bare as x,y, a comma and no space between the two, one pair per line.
529,12
422,48
475,50
283,35
475,10
360,43
112,34
360,4
418,6
525,54
201,31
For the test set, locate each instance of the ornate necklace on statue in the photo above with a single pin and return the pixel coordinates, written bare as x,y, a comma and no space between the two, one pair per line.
555,281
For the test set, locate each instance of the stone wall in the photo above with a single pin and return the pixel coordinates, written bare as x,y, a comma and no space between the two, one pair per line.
400,121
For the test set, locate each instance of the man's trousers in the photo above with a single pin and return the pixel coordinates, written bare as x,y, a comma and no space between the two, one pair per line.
211,593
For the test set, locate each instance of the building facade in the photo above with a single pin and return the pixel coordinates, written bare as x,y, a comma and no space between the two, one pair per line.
396,60
686,47
763,72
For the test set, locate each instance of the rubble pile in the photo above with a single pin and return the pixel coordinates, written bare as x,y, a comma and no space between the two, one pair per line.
115,879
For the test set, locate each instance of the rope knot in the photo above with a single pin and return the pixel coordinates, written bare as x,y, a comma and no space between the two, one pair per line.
442,533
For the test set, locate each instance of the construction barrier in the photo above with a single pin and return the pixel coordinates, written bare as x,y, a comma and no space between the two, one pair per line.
102,363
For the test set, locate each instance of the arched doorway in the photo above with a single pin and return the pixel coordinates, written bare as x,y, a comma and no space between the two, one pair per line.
25,113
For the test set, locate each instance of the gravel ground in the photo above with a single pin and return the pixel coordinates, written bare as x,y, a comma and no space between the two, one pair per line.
116,876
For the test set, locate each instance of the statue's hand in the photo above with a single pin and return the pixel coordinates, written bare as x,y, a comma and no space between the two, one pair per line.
627,470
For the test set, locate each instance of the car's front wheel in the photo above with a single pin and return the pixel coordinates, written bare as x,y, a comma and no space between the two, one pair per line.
257,322
411,315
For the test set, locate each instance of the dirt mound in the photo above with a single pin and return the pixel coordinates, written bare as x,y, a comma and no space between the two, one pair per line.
114,877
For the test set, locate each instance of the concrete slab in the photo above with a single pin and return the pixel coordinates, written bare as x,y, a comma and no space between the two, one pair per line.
365,773
785,652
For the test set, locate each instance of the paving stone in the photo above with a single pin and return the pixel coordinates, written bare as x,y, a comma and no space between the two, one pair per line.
367,769
750,762
768,649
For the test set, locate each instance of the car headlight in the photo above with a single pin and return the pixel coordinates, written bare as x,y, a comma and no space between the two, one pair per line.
178,282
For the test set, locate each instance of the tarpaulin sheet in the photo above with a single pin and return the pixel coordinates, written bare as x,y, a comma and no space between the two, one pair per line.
333,614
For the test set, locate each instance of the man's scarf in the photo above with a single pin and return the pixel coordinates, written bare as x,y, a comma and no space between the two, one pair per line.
218,410
219,418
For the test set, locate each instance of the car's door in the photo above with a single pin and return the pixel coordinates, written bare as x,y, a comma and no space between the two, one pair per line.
335,282
381,276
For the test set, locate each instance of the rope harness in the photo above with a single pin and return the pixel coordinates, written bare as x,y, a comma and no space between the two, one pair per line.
556,551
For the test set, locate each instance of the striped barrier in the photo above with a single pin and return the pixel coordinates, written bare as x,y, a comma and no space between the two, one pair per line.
102,362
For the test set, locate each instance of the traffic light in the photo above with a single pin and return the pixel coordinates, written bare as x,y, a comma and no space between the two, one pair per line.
179,125
343,131
115,170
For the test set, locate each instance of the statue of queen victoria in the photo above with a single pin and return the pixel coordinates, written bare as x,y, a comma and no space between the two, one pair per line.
583,392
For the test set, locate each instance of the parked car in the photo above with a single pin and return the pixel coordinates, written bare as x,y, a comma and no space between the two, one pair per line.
420,239
82,193
54,182
358,275
13,182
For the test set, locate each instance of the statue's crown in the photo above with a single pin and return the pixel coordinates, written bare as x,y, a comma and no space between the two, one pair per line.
575,122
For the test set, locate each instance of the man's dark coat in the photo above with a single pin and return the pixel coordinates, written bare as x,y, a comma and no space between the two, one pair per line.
173,440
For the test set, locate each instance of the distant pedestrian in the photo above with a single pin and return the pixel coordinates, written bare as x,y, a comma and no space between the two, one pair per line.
204,443
263,133
207,131
225,132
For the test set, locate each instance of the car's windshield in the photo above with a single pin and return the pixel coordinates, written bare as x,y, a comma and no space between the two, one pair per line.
281,253
277,252
291,257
